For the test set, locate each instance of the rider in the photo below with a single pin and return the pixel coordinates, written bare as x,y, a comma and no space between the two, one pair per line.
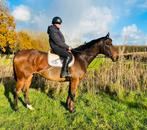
58,45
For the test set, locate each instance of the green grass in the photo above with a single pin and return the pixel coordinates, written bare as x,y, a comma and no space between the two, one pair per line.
96,63
93,111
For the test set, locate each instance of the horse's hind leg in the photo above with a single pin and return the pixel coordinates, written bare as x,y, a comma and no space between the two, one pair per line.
19,86
26,92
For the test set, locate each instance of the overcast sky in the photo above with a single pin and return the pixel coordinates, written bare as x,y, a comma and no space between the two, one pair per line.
84,20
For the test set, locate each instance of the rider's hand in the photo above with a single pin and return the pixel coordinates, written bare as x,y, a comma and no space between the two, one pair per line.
69,49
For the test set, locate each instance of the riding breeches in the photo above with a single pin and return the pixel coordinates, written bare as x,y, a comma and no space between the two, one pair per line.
62,52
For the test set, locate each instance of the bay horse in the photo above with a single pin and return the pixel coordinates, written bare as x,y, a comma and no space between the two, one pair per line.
28,62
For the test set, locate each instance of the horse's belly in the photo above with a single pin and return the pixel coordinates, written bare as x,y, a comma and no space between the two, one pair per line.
53,73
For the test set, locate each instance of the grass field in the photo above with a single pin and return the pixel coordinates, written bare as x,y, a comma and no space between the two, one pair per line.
93,111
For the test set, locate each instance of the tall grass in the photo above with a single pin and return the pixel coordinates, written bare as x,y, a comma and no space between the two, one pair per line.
125,79
128,75
6,69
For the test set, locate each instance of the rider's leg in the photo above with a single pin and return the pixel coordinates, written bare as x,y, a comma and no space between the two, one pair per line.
67,58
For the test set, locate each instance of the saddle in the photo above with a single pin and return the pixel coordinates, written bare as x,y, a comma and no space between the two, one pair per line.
57,61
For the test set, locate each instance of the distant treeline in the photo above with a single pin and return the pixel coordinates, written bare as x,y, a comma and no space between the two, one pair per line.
132,48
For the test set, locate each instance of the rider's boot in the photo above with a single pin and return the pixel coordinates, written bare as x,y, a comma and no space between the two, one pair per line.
64,71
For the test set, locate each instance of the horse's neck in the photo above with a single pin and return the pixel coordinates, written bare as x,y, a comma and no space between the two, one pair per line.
89,54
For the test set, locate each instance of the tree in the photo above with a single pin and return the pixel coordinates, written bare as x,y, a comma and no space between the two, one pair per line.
7,29
24,41
32,40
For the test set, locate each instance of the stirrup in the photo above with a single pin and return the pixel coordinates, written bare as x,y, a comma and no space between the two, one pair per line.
68,75
65,74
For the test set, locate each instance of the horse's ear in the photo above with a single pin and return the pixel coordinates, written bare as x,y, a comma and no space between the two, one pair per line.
107,36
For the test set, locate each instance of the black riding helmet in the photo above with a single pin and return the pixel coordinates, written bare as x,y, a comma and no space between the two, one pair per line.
56,20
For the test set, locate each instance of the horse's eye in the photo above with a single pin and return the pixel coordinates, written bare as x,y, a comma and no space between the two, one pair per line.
108,44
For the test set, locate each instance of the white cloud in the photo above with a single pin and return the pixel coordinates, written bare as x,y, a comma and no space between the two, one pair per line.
132,35
22,13
94,22
130,31
97,20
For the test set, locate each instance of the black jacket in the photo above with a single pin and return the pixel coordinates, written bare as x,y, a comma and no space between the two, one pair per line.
56,38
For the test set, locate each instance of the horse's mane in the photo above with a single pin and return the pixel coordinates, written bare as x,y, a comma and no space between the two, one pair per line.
87,45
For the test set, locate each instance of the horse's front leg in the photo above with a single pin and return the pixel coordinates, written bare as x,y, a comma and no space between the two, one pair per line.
71,94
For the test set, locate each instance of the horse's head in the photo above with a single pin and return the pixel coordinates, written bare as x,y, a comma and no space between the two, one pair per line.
108,49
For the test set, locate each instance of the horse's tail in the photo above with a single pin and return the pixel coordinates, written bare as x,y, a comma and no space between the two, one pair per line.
15,77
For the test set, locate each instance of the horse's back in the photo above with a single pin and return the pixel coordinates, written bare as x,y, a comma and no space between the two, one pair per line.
26,52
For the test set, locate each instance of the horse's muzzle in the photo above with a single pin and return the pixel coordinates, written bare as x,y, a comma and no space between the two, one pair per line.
115,58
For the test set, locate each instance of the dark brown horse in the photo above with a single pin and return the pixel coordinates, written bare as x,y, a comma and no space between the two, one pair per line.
28,62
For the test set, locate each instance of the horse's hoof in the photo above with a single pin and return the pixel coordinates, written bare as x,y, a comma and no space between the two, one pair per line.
72,111
30,107
16,109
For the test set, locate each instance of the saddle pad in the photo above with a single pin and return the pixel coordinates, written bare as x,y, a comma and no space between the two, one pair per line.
55,61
